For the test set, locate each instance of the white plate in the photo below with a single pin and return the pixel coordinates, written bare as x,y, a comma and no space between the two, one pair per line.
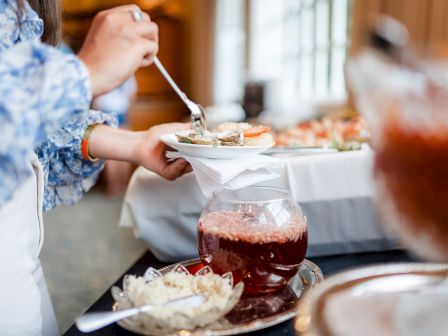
213,152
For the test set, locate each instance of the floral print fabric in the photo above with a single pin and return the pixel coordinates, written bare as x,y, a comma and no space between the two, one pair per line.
45,97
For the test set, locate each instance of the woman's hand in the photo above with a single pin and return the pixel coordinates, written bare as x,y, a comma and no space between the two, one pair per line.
116,46
142,148
150,152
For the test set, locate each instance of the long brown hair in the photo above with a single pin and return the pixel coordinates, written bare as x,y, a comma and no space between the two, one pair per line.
49,11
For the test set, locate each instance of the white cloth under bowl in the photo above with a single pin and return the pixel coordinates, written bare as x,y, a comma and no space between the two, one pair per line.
217,174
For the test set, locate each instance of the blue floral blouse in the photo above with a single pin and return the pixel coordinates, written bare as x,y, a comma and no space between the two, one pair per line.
45,97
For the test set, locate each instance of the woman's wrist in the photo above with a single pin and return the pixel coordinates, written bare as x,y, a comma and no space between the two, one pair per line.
109,143
85,152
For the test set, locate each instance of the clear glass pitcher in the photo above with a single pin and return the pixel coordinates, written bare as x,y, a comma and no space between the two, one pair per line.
257,233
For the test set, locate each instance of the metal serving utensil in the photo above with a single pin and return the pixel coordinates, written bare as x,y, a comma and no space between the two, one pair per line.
197,112
93,321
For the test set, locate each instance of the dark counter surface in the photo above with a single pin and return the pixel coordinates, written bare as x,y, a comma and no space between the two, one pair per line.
328,265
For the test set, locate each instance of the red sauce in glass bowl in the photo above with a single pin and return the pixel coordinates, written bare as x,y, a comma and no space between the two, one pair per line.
412,164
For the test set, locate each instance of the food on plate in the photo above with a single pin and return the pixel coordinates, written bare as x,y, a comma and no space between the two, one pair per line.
175,285
258,136
230,126
341,134
230,134
219,293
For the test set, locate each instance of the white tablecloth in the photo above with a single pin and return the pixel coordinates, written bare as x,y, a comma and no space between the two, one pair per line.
334,191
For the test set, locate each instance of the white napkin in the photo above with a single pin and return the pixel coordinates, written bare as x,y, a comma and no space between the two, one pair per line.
217,174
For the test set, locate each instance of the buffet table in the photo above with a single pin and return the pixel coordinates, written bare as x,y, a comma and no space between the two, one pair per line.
334,190
328,265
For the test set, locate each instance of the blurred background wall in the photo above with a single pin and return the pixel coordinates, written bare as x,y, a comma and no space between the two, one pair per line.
285,56
426,20
186,32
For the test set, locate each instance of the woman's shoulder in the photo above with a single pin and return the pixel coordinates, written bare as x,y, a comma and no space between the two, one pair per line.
11,30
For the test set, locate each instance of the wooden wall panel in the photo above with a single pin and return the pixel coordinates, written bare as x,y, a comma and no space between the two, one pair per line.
89,6
426,20
363,12
437,30
150,79
203,43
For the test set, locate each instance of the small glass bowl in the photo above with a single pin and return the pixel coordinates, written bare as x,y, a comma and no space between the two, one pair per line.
151,324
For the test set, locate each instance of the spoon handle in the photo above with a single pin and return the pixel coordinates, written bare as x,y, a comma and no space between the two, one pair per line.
138,17
170,80
93,321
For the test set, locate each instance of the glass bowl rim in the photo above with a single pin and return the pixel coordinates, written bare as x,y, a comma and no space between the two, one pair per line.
286,195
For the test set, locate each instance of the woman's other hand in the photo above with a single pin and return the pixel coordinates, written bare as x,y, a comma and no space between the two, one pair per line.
116,46
142,148
150,152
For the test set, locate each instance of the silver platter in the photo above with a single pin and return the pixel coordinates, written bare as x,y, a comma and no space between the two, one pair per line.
390,278
244,318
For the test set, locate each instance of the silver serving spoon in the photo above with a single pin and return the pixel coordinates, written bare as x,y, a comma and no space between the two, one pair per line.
197,112
93,321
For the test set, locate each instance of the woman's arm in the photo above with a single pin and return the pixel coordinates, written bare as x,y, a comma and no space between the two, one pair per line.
141,148
67,175
35,100
41,88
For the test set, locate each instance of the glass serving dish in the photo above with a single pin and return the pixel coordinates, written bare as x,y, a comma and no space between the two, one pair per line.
257,233
405,101
248,315
156,323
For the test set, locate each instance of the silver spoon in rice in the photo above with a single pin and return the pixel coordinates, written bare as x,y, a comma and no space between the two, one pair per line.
93,321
